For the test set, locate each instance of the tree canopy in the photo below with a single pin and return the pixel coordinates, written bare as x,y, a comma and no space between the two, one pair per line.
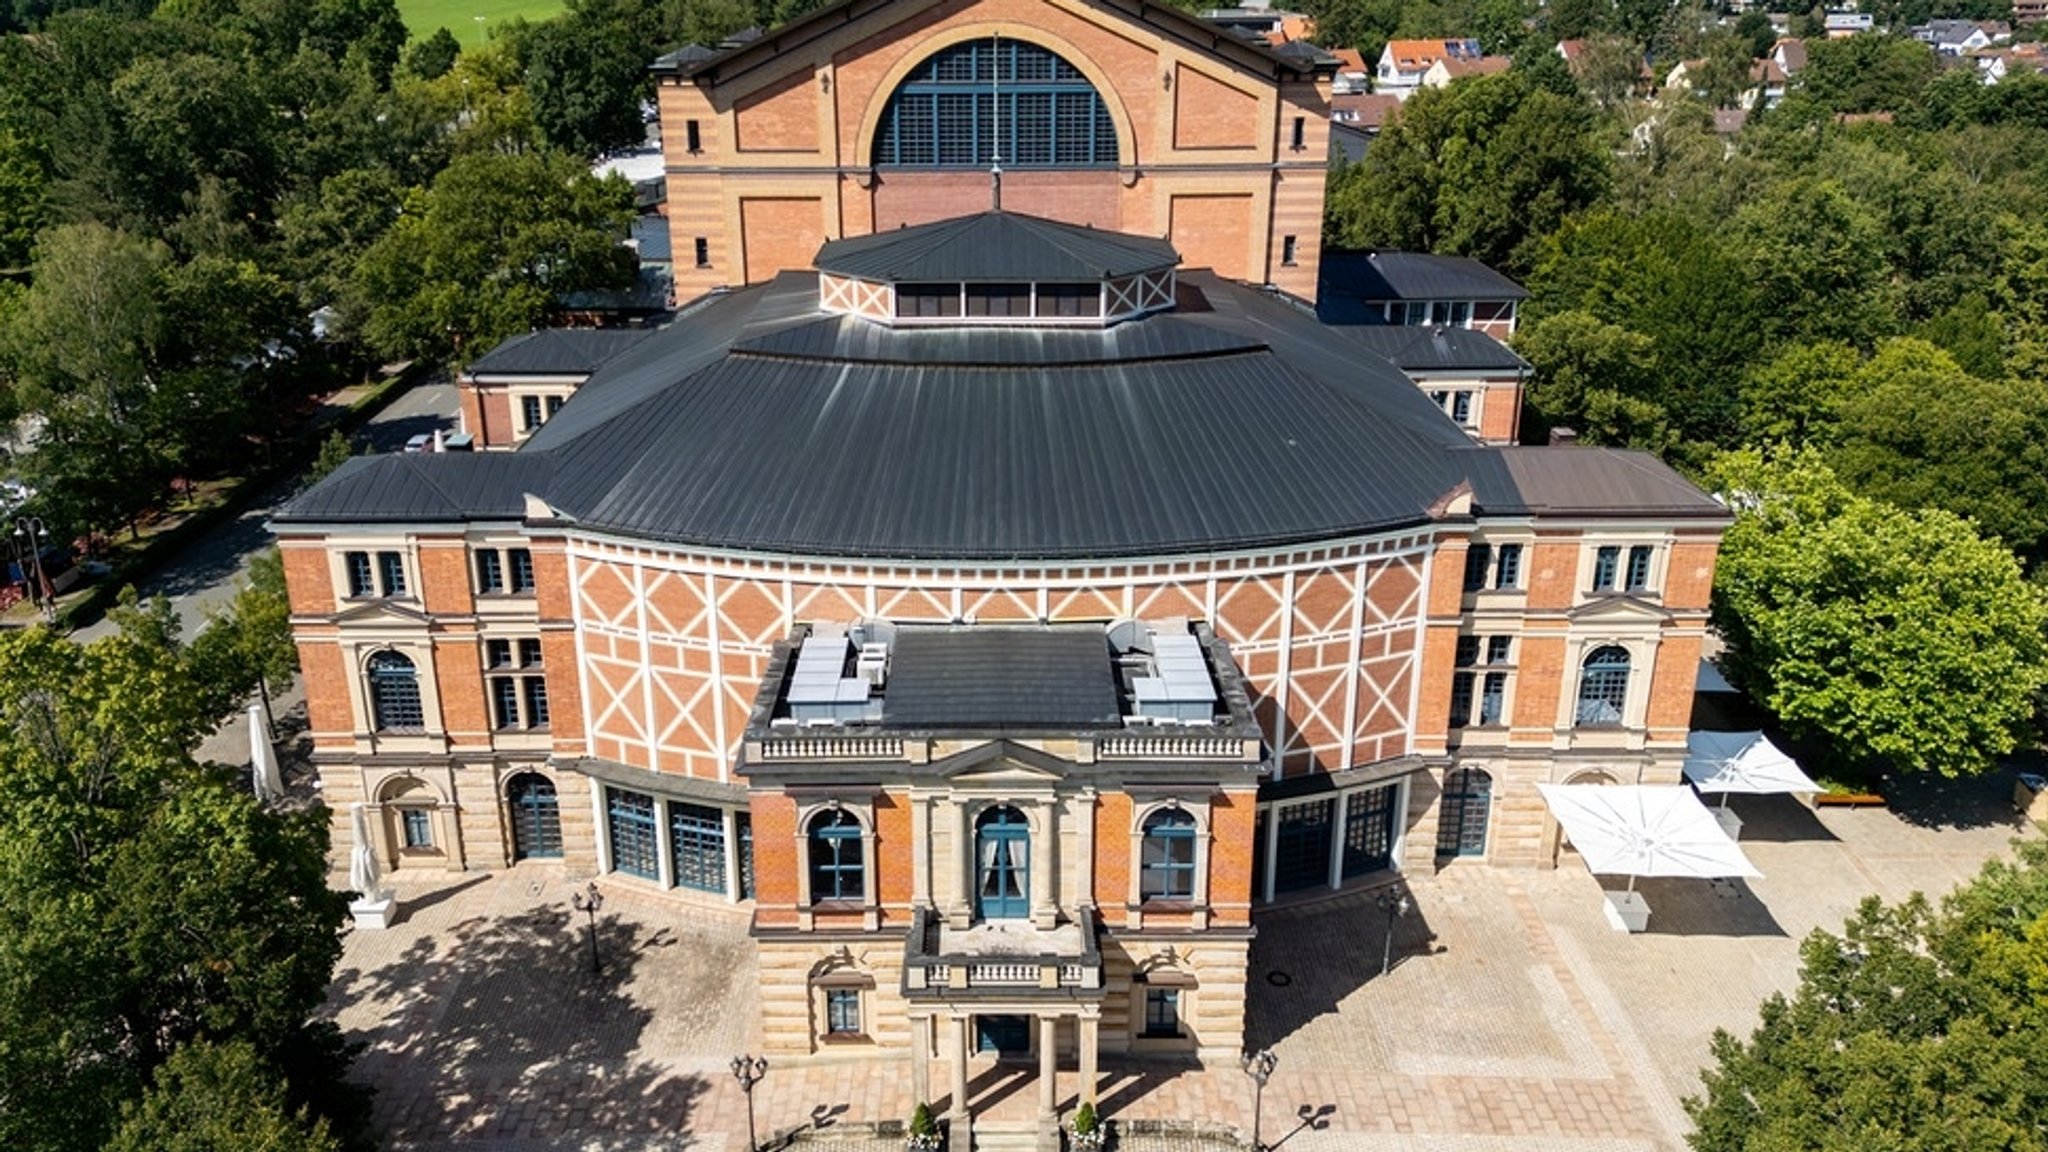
1919,1026
1904,638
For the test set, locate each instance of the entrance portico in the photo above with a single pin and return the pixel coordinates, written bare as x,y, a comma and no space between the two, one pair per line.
959,1038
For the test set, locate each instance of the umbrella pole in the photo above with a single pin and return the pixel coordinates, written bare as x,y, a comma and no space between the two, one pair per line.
1724,801
1631,883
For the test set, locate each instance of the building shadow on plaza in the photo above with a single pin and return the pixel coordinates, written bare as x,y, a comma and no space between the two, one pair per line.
498,1035
1306,960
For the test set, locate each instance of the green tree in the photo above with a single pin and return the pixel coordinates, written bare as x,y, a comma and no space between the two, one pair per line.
146,902
1591,376
247,647
1481,168
482,254
431,58
1919,432
1816,258
1900,639
21,198
1916,1027
218,1098
586,71
1873,73
1797,397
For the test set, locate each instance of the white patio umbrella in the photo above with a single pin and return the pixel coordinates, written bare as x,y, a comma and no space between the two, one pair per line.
1643,830
263,770
1727,762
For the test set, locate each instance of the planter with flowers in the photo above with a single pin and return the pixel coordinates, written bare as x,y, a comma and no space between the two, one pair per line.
923,1134
1089,1133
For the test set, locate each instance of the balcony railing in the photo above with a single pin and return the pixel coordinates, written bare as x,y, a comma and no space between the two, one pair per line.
929,972
833,748
1162,747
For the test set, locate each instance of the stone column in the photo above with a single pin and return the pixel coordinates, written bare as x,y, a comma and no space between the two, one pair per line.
1048,1065
1045,861
1091,1036
920,1060
959,1110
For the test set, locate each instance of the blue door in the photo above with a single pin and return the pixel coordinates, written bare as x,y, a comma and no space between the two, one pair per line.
1002,1035
1002,863
536,817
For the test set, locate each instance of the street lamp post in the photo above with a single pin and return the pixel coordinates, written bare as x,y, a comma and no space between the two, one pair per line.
588,903
28,541
1259,1066
1395,903
748,1070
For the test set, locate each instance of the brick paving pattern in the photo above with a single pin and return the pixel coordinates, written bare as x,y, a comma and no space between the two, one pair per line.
1513,1018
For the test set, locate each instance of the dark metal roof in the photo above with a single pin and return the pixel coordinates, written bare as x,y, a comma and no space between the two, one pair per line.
1424,349
995,246
1586,482
557,352
424,487
650,239
851,338
1384,274
1012,678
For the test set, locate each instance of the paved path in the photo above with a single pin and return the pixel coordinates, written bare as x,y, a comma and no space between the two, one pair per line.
1513,1019
208,573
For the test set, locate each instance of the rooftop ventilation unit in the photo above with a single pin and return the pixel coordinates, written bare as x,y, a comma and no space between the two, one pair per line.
820,691
1179,689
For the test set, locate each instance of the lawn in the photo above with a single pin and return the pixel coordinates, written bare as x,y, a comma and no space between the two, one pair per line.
470,20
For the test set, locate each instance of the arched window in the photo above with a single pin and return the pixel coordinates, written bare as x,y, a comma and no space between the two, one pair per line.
1603,686
836,869
395,694
536,817
1461,825
965,103
1166,860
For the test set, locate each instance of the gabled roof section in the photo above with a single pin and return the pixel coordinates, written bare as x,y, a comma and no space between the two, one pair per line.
995,246
1387,274
1040,677
423,487
1585,481
732,58
557,352
1433,349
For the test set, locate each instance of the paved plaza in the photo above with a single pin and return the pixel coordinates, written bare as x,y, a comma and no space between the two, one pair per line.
1513,1018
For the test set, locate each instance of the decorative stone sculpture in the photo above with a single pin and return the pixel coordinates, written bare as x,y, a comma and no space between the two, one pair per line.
374,905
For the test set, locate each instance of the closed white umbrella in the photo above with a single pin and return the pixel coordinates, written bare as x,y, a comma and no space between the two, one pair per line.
263,770
1644,830
1727,762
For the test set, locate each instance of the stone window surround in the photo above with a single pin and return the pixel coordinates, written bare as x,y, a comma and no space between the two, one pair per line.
337,566
1642,663
1143,807
419,650
863,812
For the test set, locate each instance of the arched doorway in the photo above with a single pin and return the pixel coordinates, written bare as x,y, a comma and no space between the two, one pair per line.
1002,858
536,817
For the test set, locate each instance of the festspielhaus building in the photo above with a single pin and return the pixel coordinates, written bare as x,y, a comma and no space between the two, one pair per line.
996,579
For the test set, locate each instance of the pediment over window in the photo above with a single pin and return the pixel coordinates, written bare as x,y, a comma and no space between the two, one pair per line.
1003,761
1618,609
380,612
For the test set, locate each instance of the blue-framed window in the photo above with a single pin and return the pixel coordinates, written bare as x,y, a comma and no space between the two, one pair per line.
1166,857
1162,1011
696,845
629,818
1639,567
842,1011
837,872
743,827
522,569
965,103
490,572
391,573
1603,687
395,694
1606,562
419,827
360,582
1461,825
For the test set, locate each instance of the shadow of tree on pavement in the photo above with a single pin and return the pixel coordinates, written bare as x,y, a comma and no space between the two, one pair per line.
497,1035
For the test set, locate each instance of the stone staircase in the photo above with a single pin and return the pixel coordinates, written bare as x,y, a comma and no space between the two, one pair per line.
1002,1135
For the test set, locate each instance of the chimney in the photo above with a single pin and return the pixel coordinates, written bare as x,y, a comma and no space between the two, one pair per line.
1563,437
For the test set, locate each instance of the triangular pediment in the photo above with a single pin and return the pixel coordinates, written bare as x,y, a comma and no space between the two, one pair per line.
1619,608
1001,761
373,611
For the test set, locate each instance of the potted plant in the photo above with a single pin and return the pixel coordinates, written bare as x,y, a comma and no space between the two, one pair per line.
924,1132
1088,1129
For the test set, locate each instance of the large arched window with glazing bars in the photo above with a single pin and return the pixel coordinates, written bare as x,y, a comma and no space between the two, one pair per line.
997,100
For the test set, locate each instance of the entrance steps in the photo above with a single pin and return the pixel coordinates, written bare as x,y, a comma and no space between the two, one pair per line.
993,1135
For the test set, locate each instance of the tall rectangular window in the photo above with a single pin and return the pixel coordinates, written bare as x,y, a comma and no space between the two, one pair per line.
504,702
1478,558
1639,567
360,582
1461,699
1162,1011
391,573
1606,561
693,136
529,413
1287,247
703,253
536,689
1507,572
842,1011
629,818
1493,694
490,571
521,562
1461,407
1300,135
696,845
419,827
1487,688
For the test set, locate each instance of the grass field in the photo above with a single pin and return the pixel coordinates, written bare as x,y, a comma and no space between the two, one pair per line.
470,20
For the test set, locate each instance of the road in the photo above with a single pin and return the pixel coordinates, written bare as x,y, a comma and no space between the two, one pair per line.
206,574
